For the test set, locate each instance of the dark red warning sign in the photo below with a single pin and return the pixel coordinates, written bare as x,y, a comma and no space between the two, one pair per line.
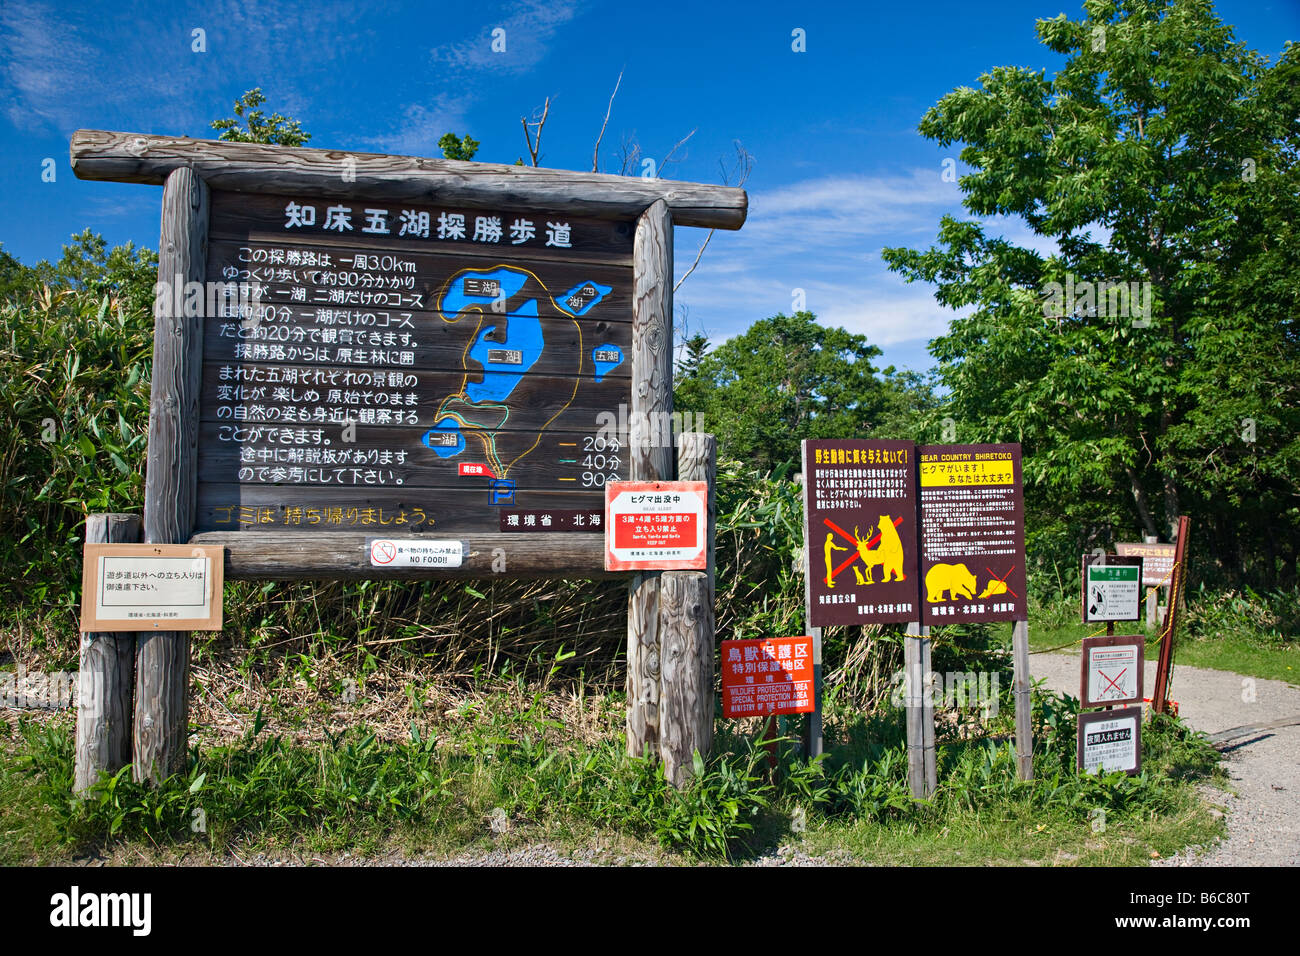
860,530
972,534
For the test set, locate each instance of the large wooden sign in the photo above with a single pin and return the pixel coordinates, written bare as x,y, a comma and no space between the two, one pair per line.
860,529
407,368
972,534
374,366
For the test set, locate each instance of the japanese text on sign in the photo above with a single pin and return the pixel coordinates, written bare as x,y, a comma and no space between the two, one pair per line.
764,677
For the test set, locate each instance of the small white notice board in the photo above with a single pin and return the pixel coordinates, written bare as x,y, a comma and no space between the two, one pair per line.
139,587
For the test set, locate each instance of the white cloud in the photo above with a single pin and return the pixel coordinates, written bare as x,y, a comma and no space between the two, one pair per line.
824,236
418,132
529,26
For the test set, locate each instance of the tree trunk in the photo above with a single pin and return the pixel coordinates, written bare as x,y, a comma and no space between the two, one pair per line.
1140,499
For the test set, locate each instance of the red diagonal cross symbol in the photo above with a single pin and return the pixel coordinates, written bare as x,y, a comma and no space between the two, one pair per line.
871,541
1112,683
1003,579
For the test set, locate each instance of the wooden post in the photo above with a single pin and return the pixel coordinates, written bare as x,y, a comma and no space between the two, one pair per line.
163,657
1153,593
915,657
927,714
650,456
686,632
105,680
1024,727
813,744
1177,582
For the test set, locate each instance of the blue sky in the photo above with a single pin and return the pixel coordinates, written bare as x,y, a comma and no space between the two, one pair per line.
839,170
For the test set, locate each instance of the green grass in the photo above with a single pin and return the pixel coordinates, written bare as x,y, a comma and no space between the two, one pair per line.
441,792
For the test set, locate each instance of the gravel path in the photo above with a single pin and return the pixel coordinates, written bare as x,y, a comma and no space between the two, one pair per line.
1263,765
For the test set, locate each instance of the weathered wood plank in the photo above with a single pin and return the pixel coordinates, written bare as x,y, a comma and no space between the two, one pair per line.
686,628
381,512
1023,685
252,167
342,555
106,678
651,457
162,658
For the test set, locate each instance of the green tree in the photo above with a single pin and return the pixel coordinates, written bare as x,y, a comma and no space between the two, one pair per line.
785,379
458,147
1161,156
277,131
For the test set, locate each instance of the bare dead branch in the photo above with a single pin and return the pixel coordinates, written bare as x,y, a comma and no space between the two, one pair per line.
744,165
704,245
595,153
680,143
630,153
535,145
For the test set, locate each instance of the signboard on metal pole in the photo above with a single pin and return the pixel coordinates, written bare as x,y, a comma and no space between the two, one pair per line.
1111,740
1111,671
761,678
1112,588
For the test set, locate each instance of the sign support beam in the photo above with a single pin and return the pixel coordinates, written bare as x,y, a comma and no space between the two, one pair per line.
171,476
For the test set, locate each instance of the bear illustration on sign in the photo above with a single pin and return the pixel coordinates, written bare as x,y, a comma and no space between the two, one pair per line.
889,555
954,579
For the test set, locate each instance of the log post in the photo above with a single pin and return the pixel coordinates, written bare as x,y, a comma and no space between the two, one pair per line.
927,713
650,456
1024,728
686,632
106,678
916,656
163,657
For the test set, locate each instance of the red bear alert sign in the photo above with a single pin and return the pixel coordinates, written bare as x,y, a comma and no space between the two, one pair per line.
656,526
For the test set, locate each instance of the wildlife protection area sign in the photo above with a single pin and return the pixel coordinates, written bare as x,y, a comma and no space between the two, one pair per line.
860,531
1111,670
656,525
1112,588
765,677
972,534
136,587
1111,740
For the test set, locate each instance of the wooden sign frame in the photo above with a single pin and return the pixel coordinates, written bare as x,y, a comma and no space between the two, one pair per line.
1099,716
92,620
189,168
670,614
1109,560
1091,644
